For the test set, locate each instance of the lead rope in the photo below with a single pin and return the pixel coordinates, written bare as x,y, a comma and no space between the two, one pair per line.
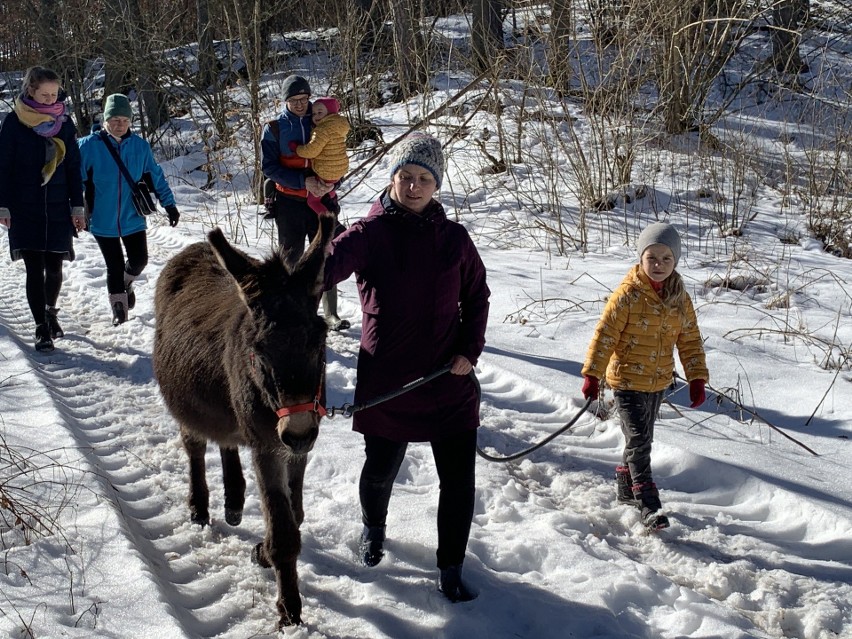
347,410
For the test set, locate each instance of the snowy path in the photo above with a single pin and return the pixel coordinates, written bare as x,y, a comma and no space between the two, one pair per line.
549,546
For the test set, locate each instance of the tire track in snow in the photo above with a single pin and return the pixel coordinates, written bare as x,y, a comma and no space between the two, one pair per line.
720,535
101,381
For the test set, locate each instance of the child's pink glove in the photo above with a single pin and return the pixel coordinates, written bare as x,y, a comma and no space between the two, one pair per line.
591,387
293,144
696,393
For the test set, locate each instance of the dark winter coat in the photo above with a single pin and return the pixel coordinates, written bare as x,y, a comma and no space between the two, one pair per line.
424,299
112,212
279,163
41,215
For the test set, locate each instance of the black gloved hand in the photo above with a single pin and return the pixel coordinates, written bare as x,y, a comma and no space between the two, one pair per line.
174,215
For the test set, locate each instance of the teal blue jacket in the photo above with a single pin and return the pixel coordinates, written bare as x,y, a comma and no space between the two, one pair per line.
112,213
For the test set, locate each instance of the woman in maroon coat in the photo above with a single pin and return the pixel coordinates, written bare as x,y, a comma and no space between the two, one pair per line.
425,305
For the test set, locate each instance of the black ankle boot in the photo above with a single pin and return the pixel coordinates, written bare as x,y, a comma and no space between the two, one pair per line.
648,498
118,304
53,326
371,545
452,586
43,341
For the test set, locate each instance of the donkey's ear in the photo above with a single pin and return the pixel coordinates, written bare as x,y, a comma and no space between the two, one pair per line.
233,260
309,270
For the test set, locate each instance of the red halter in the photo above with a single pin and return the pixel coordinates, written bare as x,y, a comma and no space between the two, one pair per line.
314,406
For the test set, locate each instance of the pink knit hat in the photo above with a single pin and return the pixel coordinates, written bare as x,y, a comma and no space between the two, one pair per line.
331,104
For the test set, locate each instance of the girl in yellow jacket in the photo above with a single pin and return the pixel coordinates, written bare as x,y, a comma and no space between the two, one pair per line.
645,318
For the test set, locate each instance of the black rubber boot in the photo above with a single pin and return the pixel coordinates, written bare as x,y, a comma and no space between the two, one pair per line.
624,486
53,326
452,586
43,341
371,545
329,311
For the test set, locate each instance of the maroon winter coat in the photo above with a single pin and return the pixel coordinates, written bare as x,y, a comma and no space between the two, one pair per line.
424,299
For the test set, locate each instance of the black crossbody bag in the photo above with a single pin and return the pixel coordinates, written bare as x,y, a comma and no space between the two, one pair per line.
142,200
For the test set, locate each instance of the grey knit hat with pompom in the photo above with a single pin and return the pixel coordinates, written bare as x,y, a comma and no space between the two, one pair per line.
422,150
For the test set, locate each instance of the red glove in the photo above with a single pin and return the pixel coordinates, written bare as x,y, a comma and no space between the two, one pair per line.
696,393
591,387
293,144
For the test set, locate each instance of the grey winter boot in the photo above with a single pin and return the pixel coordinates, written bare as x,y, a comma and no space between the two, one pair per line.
118,304
128,288
329,311
452,586
50,313
648,498
370,545
624,486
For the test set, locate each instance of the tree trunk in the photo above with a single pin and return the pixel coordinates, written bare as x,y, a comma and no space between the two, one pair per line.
487,33
409,49
559,49
787,18
206,53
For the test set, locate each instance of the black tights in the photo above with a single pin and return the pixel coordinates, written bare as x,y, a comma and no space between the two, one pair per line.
136,245
44,279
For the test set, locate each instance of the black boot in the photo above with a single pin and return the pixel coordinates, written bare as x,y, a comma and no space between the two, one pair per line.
52,323
118,304
452,586
370,546
624,486
649,503
43,341
329,311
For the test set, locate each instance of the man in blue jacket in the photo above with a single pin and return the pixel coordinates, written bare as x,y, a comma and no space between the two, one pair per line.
293,180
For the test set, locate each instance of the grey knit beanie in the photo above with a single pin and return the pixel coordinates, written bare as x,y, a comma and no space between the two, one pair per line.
422,150
117,106
295,85
659,233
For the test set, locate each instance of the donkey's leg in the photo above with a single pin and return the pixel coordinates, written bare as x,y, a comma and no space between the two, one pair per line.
295,481
199,496
235,485
282,543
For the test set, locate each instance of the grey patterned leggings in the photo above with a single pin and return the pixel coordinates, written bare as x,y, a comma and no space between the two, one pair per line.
637,412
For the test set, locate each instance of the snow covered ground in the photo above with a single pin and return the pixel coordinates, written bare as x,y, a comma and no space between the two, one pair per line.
761,536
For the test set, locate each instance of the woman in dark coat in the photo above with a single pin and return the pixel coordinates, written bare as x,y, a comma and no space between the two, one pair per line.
424,300
41,193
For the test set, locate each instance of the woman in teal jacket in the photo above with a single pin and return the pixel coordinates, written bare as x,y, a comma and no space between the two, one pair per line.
113,218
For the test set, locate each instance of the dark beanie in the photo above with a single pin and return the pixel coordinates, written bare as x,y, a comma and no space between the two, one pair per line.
659,233
117,106
295,85
422,150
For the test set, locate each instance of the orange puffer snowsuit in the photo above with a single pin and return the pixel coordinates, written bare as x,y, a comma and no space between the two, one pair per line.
635,338
327,148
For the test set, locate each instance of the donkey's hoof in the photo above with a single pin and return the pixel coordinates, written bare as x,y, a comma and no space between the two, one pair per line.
289,620
259,557
202,519
233,516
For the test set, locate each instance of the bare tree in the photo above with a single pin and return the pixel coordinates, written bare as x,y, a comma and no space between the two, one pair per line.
486,33
558,51
787,18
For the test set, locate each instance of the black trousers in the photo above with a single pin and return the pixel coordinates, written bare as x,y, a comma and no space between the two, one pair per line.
136,245
44,280
637,412
455,461
296,222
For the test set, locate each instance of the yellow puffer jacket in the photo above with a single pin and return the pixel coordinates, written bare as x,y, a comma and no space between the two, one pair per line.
327,148
635,338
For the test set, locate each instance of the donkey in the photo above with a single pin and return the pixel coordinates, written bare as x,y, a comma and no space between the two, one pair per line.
239,354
